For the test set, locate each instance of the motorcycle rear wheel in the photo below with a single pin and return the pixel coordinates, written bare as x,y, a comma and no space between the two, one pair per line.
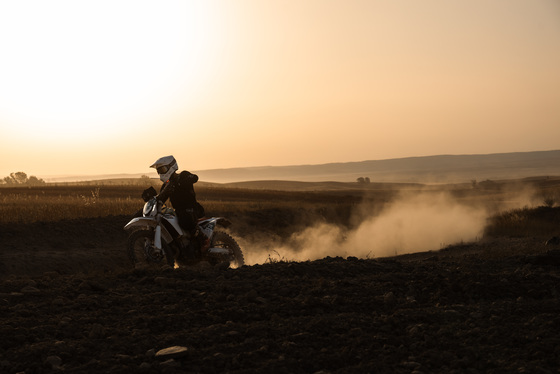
143,254
221,239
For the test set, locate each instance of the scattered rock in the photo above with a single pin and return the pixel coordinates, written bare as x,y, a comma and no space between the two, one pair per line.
403,314
145,367
171,363
53,362
164,281
172,352
59,301
97,331
30,290
389,298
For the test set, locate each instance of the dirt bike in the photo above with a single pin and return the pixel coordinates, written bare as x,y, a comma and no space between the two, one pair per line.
157,239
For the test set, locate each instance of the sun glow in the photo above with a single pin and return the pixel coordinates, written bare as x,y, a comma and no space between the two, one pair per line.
224,84
72,70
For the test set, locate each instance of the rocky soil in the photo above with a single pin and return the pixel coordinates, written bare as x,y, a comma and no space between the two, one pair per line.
69,304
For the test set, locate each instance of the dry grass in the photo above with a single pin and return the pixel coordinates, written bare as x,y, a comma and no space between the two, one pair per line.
525,222
278,210
54,203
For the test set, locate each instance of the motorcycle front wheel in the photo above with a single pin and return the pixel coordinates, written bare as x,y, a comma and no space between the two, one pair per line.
143,253
221,239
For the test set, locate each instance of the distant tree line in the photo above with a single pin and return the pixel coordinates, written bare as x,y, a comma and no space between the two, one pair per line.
362,180
20,178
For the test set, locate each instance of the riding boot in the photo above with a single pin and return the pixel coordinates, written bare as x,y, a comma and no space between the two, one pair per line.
191,252
200,240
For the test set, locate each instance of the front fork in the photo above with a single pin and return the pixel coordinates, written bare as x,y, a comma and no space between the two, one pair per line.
157,237
157,234
155,249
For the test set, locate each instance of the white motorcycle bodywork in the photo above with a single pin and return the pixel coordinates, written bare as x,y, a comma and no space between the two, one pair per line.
166,226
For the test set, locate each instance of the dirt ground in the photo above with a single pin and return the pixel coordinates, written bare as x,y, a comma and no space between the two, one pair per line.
69,303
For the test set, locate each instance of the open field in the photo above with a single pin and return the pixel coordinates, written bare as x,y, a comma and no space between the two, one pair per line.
54,203
94,199
294,220
385,291
290,220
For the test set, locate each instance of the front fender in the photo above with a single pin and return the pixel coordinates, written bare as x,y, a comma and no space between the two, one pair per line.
140,222
150,223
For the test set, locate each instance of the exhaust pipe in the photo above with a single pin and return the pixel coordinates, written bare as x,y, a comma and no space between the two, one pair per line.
218,251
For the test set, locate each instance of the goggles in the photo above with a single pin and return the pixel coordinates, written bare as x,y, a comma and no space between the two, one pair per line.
162,169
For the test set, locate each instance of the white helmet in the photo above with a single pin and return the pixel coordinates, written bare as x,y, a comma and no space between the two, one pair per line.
165,167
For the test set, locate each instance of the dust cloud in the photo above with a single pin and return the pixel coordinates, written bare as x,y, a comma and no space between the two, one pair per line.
412,223
522,195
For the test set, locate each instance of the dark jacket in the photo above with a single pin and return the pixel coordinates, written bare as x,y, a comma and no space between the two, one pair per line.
180,190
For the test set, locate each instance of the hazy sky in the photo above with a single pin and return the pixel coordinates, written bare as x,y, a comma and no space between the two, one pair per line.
89,87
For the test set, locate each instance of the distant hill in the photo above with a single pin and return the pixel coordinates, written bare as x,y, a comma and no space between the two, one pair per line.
109,178
428,169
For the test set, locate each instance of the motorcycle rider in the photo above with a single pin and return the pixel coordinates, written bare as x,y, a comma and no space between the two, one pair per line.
179,189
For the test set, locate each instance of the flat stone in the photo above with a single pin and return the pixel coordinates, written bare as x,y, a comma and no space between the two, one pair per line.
30,289
172,352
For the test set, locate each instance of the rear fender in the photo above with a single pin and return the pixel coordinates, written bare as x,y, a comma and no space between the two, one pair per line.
215,221
224,222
